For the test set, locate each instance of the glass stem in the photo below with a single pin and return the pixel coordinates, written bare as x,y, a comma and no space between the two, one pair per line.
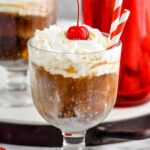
16,80
74,141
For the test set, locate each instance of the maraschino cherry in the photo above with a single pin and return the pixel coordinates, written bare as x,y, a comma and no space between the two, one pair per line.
78,32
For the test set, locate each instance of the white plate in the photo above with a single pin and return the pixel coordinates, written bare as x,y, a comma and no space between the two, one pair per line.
29,115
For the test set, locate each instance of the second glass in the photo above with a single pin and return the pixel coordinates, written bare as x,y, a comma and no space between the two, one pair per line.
18,21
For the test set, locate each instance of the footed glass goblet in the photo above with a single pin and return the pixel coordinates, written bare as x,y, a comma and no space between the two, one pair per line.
71,102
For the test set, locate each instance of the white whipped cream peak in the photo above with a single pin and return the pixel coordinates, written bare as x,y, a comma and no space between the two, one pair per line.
54,39
74,58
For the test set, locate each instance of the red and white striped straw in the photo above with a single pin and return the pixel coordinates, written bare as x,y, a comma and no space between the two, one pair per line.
116,17
118,32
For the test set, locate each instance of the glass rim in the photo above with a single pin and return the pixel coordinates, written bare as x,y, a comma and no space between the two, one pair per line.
29,43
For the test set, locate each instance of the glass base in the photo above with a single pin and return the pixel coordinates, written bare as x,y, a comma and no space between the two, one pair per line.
16,80
10,98
74,141
14,91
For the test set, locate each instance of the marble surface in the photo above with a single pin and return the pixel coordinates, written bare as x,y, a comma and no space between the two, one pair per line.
134,145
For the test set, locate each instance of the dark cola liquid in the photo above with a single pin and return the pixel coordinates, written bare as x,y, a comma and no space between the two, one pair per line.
16,29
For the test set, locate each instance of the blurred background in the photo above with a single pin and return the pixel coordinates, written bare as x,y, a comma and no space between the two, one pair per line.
66,9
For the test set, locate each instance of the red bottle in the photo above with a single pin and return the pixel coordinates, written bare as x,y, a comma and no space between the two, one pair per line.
134,83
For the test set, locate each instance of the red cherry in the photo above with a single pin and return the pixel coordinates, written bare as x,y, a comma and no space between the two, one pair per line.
78,33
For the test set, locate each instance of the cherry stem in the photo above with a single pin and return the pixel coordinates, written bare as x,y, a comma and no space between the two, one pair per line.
78,15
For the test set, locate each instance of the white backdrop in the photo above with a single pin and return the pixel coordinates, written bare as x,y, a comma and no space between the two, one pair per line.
67,9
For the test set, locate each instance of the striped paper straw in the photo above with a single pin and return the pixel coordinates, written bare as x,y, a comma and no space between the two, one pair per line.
118,32
116,16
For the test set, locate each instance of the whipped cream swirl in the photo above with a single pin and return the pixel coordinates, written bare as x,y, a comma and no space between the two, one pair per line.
74,58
